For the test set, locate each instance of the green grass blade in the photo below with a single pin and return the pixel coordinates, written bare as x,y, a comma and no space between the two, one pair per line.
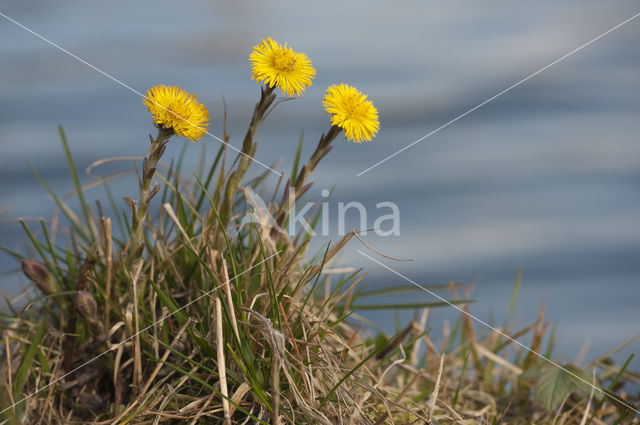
398,289
50,246
275,313
168,302
26,364
348,374
207,181
73,219
224,232
116,210
296,161
14,254
315,283
514,293
76,182
37,245
402,306
252,376
614,381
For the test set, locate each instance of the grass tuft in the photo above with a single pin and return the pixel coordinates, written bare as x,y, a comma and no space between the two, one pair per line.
185,316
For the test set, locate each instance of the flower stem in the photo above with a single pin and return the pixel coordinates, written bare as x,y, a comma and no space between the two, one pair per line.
323,148
248,150
157,148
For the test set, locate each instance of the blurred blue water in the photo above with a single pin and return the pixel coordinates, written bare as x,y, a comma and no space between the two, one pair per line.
545,177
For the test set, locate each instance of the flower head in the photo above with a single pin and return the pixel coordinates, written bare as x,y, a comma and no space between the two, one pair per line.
352,112
280,66
176,109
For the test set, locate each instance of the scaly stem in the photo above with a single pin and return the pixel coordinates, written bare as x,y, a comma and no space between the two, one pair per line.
136,241
323,148
246,157
157,148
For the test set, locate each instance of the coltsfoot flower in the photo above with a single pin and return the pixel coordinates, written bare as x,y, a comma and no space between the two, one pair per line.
176,109
351,111
281,67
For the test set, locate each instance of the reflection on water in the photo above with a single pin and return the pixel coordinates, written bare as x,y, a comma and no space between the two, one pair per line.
545,177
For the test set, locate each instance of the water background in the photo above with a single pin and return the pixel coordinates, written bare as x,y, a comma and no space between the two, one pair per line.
545,177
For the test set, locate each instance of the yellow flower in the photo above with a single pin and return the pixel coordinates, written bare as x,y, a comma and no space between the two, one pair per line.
352,112
280,66
179,110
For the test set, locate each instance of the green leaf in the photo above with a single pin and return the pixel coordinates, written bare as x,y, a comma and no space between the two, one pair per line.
534,372
552,387
584,381
555,384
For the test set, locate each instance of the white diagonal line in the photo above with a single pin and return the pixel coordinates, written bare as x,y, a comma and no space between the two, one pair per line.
114,79
498,95
137,333
619,400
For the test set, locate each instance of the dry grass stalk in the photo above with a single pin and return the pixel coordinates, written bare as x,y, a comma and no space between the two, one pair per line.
137,359
222,368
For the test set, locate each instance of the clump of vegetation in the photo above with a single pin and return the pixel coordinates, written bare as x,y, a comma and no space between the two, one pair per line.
191,314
